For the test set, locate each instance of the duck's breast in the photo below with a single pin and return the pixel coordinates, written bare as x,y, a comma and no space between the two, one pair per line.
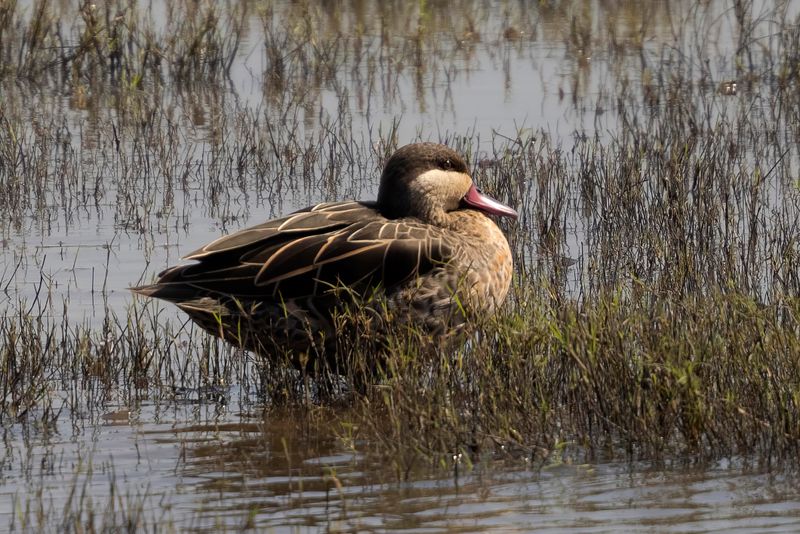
485,259
476,279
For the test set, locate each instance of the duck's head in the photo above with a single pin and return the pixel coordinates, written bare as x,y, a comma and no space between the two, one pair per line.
430,181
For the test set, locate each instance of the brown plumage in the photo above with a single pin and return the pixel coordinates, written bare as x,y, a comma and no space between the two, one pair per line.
424,252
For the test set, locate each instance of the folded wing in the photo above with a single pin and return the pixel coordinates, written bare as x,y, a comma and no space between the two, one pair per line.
306,254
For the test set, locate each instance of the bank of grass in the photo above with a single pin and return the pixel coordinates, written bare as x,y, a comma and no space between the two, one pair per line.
681,381
691,378
678,379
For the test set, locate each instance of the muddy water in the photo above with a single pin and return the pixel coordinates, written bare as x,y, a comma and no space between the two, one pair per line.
203,462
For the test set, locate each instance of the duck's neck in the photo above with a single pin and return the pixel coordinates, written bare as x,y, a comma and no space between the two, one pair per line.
436,216
466,222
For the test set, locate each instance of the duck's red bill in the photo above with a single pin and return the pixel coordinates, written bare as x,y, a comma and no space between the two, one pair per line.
475,199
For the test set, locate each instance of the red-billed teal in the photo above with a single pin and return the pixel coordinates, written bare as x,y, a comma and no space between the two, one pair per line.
425,249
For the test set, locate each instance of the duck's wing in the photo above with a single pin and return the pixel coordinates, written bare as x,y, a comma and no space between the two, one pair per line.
321,218
364,256
309,253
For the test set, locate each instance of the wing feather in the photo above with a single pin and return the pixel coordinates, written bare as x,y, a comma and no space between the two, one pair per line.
308,253
316,219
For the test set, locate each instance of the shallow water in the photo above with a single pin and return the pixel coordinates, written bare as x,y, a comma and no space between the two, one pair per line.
201,464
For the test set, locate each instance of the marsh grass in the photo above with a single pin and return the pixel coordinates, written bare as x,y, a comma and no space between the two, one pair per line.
687,214
117,41
690,379
627,375
674,337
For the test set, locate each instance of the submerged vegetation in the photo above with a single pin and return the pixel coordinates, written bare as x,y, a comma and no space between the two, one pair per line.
674,336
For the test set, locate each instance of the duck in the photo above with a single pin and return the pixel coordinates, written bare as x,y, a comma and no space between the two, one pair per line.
426,252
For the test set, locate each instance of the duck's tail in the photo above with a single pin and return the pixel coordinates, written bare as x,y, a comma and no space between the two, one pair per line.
169,286
175,292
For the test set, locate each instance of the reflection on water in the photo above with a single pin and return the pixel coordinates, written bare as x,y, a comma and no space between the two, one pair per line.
201,466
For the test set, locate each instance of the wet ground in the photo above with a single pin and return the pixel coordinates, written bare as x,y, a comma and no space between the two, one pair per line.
189,460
